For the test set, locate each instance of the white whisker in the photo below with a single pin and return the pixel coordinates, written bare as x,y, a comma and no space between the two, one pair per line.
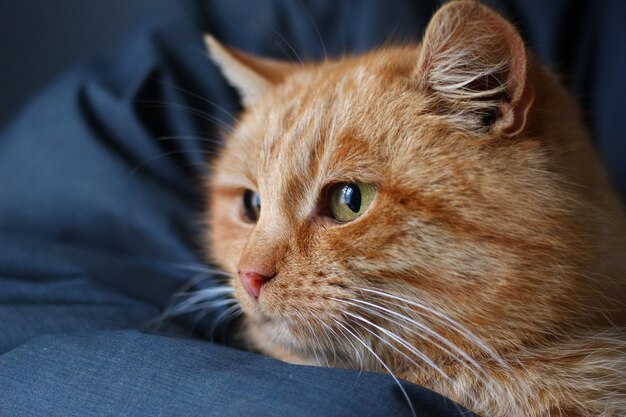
205,294
329,340
186,308
303,319
232,311
200,268
413,328
453,323
404,343
358,353
384,365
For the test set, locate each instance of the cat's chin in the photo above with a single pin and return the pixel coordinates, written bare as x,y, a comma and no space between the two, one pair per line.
276,338
281,340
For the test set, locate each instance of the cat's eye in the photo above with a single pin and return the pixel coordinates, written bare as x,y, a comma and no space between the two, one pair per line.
347,201
251,205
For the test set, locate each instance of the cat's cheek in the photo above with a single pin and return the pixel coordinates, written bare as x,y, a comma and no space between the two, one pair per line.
227,233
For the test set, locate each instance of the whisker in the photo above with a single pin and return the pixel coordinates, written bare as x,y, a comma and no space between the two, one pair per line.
183,289
303,320
212,140
379,337
455,325
163,155
200,268
178,310
174,309
192,94
195,297
214,290
234,311
459,352
314,335
147,104
358,353
327,330
384,365
204,294
312,20
285,41
404,343
195,280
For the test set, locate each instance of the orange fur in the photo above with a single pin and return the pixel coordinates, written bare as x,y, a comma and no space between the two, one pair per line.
490,266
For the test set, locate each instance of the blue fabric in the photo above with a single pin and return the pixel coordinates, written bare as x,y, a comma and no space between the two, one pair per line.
134,374
100,204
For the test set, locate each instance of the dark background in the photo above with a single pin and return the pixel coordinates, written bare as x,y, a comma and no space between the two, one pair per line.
41,38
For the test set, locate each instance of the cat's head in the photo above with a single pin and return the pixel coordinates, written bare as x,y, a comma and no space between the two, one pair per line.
414,197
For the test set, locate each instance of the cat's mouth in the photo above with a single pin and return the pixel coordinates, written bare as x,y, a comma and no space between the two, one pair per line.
297,321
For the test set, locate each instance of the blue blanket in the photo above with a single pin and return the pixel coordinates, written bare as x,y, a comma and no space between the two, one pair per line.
100,208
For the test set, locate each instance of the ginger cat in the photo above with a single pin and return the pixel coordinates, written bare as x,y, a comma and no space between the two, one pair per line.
433,211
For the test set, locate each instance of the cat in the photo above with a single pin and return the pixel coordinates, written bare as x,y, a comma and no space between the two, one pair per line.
434,211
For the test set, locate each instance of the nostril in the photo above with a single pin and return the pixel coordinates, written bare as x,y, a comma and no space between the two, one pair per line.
253,282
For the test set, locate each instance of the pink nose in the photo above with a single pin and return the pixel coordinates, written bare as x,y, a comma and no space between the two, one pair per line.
253,282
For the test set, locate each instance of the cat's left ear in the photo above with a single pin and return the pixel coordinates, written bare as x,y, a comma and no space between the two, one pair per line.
250,75
474,62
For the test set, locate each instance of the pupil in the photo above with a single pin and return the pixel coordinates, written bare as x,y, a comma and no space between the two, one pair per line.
352,197
252,204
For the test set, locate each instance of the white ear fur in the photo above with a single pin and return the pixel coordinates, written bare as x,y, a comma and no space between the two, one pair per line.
250,84
476,61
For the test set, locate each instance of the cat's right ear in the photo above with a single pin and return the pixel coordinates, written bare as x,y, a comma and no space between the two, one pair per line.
250,75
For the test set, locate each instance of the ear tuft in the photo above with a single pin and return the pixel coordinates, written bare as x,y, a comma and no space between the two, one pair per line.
251,76
250,85
475,61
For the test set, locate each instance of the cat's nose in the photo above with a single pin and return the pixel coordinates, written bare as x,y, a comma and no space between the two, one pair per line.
253,281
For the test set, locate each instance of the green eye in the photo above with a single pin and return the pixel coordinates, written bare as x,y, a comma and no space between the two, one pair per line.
347,201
